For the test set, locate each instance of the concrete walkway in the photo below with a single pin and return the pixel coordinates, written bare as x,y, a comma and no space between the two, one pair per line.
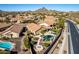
64,46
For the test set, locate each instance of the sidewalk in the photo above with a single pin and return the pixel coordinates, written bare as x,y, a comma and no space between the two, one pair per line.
64,45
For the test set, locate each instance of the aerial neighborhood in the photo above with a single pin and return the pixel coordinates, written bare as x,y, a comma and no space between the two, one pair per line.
34,32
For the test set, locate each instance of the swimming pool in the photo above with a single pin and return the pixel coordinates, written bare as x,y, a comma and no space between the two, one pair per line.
48,37
6,45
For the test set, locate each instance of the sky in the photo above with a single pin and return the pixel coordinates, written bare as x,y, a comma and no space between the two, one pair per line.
26,7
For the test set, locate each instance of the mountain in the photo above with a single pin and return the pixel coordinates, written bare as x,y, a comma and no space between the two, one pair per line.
1,11
42,10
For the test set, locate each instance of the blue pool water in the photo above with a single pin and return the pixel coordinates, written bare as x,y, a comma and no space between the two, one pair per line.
6,45
48,37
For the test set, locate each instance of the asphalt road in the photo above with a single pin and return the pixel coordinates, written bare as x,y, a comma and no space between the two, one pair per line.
74,37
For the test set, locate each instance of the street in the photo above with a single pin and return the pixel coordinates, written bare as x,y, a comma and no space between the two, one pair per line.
73,38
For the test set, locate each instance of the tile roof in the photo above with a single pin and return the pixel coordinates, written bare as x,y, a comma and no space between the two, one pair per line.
17,28
4,25
50,20
33,27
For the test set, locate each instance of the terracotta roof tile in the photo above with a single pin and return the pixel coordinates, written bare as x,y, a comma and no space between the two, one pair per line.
17,28
50,20
33,27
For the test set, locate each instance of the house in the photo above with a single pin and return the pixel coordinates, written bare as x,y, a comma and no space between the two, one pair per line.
19,18
15,31
49,21
13,20
33,27
22,18
2,18
4,26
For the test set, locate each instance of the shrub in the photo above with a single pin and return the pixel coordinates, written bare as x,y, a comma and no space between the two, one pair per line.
46,44
26,42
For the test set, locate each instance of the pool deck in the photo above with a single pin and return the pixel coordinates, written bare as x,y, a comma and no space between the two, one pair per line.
2,49
1,41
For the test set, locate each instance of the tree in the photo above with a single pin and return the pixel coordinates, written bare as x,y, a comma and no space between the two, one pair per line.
61,23
7,20
26,39
26,42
